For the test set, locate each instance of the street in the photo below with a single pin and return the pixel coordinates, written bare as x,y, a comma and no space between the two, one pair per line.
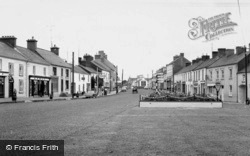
115,125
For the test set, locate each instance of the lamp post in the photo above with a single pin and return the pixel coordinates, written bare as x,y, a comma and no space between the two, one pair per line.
217,88
246,61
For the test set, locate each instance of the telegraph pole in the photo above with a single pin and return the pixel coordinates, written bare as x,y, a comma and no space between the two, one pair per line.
122,77
73,73
245,50
97,83
116,79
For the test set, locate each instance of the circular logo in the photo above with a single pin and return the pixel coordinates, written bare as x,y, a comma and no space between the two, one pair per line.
8,147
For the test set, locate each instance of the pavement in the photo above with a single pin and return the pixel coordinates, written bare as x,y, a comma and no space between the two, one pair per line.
46,98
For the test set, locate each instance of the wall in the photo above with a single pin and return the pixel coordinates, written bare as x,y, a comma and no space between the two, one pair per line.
5,67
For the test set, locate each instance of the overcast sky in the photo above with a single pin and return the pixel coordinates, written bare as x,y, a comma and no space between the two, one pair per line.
137,35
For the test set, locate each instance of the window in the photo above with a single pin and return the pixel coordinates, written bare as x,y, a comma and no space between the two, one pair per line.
199,75
217,74
88,78
55,84
0,64
222,74
243,78
20,70
62,72
44,71
230,73
211,74
79,77
54,71
67,84
67,73
11,68
20,86
202,74
230,90
34,70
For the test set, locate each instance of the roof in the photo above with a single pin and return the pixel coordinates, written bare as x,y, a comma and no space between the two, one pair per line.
228,60
52,58
108,64
78,69
243,70
184,59
32,56
207,63
189,68
88,69
9,52
100,64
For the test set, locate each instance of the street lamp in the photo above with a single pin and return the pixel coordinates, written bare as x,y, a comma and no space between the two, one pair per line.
217,88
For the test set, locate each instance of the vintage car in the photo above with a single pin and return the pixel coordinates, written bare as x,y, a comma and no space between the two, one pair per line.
124,89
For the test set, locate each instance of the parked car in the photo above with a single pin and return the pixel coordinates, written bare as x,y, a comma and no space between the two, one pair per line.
124,89
90,94
134,90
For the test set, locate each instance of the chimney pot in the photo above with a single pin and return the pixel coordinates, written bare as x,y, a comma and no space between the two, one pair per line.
55,50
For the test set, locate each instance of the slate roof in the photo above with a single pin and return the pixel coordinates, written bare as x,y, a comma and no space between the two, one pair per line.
99,63
184,59
88,69
32,56
228,60
109,64
189,68
243,70
9,52
52,58
78,69
207,63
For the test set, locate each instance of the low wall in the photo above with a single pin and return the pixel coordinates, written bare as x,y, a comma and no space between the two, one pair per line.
174,104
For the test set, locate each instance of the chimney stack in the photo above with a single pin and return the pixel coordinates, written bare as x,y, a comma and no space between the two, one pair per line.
214,54
182,54
193,61
88,58
222,51
239,50
32,44
175,57
79,60
55,50
97,56
9,40
229,52
188,64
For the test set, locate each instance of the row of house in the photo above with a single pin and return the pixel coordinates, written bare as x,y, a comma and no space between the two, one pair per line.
33,71
226,68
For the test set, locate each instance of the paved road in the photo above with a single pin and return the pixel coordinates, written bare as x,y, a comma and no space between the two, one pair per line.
115,125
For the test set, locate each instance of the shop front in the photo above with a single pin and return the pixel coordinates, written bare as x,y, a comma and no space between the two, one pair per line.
38,86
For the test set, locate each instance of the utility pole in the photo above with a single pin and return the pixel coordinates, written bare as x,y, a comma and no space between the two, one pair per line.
122,77
73,73
97,83
245,50
116,79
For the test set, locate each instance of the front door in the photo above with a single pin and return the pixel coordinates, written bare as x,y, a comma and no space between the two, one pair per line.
1,87
61,85
11,87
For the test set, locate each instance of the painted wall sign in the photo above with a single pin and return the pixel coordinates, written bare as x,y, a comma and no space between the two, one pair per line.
211,28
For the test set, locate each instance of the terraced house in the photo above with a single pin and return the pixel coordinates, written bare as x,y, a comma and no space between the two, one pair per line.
224,71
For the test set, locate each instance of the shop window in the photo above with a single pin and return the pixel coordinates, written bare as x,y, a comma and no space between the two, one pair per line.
21,86
11,68
54,71
67,84
20,70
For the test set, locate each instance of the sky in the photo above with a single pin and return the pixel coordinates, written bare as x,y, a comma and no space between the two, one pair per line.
139,36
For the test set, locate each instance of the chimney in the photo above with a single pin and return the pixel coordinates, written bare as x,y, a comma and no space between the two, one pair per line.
9,40
193,61
32,44
88,58
79,60
182,54
229,52
97,56
214,54
239,50
207,57
175,57
188,64
222,51
55,50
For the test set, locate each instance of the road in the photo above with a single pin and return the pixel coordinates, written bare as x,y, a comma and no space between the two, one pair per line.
115,125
